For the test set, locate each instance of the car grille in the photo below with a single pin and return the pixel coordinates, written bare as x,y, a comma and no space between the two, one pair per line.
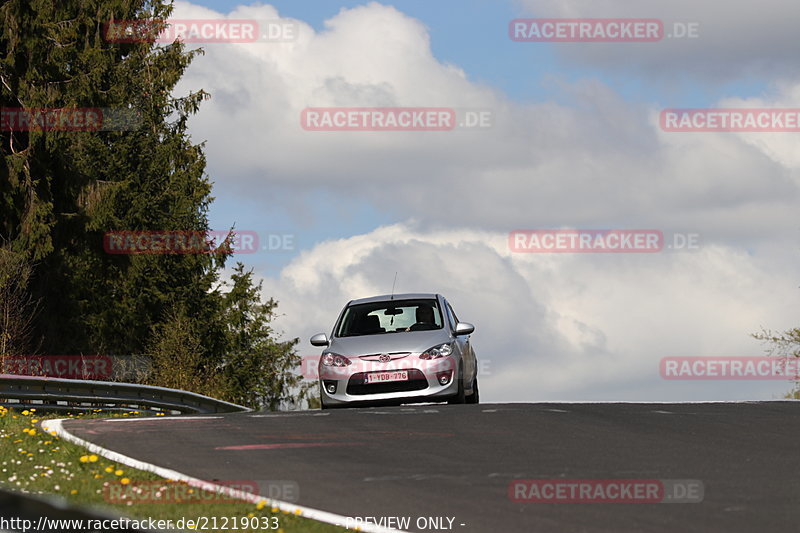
416,381
375,356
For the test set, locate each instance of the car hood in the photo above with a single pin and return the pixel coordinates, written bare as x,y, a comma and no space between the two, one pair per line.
406,341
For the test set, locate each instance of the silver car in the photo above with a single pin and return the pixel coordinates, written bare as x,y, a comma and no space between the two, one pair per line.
399,348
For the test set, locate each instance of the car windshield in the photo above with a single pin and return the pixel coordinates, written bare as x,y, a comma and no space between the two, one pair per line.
391,316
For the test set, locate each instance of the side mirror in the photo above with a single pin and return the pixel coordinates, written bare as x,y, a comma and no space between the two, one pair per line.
464,328
320,339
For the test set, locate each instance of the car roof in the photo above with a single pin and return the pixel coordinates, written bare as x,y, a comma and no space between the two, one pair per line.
387,297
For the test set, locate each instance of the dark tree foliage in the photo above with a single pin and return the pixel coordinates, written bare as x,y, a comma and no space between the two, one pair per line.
17,309
61,191
258,369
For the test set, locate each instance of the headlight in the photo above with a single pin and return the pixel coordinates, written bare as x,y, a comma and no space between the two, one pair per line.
437,352
332,359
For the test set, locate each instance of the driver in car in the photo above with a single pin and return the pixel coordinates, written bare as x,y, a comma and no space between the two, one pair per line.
425,319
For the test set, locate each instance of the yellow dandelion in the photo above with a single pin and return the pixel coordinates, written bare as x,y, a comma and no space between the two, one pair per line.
84,459
93,458
73,491
118,472
109,469
260,505
124,481
25,412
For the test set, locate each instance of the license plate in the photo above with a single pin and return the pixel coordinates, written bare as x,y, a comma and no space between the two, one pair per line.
384,377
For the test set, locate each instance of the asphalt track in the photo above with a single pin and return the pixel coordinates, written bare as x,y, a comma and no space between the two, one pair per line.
457,461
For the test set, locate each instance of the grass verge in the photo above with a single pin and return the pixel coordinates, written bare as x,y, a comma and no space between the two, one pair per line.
35,462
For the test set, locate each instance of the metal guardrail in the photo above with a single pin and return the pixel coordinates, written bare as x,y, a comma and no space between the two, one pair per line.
77,395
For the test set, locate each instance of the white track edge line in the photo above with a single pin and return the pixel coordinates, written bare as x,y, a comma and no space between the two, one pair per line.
55,425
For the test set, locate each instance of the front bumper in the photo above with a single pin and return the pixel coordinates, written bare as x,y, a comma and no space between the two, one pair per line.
423,384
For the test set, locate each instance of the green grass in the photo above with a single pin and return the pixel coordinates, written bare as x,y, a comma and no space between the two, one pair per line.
35,462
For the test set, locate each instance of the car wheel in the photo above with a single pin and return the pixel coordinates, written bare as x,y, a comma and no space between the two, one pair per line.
459,397
475,396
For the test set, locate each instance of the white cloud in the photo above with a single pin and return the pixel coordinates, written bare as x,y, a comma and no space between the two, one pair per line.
600,160
749,40
552,327
779,147
555,327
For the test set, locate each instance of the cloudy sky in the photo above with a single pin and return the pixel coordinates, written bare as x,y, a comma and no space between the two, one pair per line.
574,142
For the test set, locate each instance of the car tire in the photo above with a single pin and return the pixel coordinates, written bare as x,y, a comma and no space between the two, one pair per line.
475,396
